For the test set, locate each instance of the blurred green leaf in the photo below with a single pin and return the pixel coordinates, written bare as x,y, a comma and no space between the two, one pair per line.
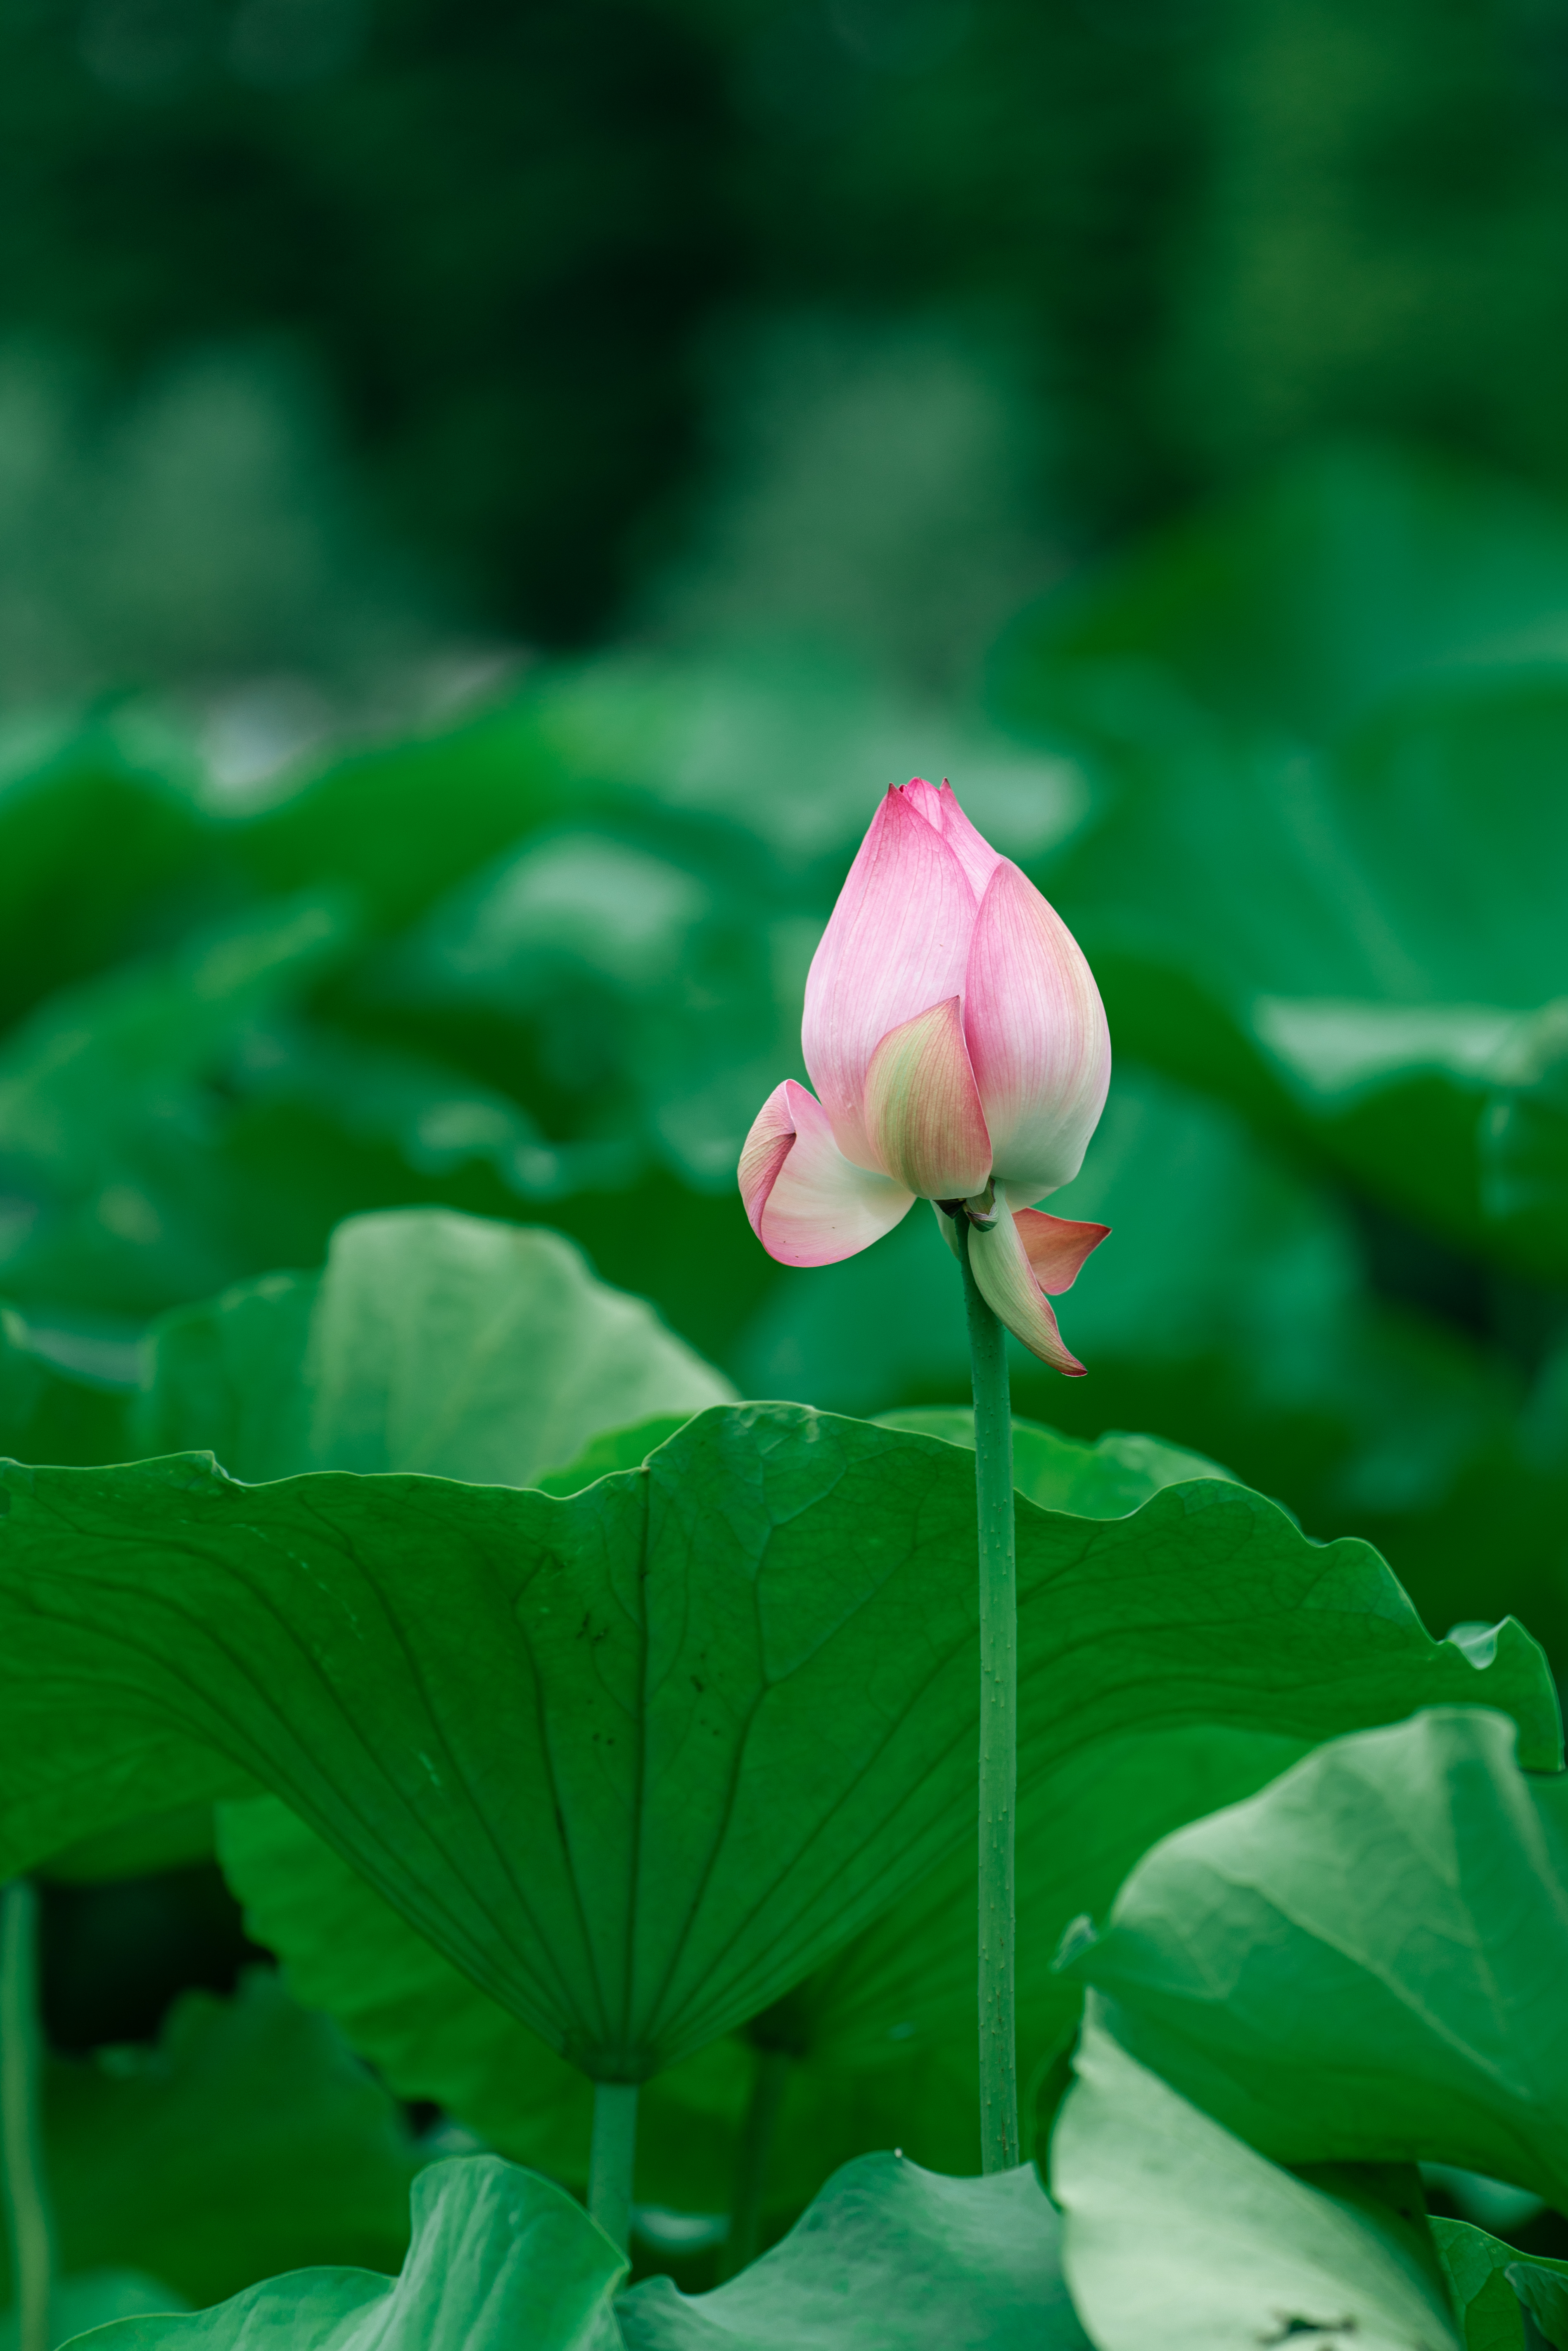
1363,1960
97,853
92,2298
1489,2280
1104,1481
888,2256
1175,2230
1350,574
612,1449
498,2256
398,825
46,1415
645,960
1524,1142
1327,879
447,1344
110,1110
143,1848
246,2139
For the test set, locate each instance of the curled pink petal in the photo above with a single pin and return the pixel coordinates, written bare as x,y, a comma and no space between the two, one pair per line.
1037,1035
1008,1284
1056,1247
766,1149
898,942
808,1204
923,1114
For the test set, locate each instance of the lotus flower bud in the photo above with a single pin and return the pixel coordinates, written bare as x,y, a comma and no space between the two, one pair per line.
958,1049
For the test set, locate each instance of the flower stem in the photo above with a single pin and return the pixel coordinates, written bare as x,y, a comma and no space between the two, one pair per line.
613,2159
999,2144
28,2223
768,2085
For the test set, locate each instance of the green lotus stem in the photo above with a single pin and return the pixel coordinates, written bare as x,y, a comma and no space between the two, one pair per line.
999,2144
28,2223
613,2159
757,2130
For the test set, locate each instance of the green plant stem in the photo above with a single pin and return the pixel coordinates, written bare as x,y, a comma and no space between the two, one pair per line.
999,2144
613,2159
28,2219
752,2156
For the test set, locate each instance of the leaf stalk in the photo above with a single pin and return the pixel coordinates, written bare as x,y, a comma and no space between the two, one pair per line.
28,2222
1000,2147
613,2159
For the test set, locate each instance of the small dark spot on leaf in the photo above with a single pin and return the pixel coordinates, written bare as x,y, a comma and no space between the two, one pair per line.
696,1685
1290,2326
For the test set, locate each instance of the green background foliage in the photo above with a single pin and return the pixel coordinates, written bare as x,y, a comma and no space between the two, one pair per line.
489,495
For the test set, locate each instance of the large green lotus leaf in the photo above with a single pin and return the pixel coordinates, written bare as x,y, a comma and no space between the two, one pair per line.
1366,1960
248,2139
433,2036
433,1341
1177,2232
887,2026
499,2258
889,2258
882,2036
1490,2281
662,1841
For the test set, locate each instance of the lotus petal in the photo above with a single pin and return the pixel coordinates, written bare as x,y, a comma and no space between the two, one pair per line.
1037,1035
923,1115
1056,1247
808,1204
1008,1286
897,943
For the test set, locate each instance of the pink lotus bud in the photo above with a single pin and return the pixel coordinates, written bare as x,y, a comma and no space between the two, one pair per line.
957,1040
